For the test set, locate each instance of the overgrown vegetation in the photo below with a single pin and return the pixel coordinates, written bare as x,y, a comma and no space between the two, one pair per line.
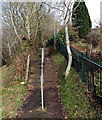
12,91
23,30
73,92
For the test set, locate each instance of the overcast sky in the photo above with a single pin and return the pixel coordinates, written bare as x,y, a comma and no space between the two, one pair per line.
94,10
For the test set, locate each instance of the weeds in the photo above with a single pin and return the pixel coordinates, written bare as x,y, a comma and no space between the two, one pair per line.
13,92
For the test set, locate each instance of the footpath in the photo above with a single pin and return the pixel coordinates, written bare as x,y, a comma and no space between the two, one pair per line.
31,108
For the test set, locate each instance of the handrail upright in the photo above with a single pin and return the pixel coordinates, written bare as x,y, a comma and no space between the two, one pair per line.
42,79
27,69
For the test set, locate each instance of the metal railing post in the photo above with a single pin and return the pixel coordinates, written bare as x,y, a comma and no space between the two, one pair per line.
42,79
27,69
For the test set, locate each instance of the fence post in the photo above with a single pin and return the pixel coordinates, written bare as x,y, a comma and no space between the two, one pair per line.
83,70
94,87
88,74
87,68
101,83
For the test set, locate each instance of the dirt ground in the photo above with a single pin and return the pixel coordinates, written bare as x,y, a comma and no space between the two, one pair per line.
53,108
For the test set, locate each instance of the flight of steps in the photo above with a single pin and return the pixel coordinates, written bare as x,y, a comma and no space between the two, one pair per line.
34,74
31,107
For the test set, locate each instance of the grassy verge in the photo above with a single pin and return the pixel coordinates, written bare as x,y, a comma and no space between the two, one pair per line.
60,63
73,92
12,92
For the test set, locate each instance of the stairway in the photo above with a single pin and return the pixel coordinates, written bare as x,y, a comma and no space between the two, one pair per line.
31,107
34,74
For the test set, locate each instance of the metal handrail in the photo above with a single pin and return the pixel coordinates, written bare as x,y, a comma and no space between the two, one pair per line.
42,79
87,58
27,69
83,57
85,69
91,61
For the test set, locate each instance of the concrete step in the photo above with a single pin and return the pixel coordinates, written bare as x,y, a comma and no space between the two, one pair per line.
34,78
34,86
33,82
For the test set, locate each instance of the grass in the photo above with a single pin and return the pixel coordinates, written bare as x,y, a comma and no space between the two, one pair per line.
73,92
8,73
60,63
13,92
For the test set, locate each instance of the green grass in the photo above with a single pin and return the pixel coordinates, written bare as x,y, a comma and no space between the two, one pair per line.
60,63
13,92
9,76
73,92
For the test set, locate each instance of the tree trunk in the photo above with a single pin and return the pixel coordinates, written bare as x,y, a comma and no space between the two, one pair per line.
69,52
13,23
10,53
54,36
90,51
28,26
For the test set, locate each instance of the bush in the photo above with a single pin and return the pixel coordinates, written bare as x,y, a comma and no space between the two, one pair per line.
60,36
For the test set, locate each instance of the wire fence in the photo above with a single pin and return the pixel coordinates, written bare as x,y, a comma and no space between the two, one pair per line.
90,71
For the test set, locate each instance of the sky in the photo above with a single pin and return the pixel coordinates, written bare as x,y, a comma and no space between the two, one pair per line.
94,10
92,5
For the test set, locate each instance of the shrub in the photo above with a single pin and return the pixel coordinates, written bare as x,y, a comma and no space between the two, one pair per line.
60,36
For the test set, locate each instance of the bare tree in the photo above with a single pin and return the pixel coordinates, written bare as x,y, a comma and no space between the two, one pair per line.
24,20
9,42
65,9
27,18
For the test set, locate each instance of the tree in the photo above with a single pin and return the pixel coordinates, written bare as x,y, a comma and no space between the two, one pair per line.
81,19
24,22
94,41
10,46
65,8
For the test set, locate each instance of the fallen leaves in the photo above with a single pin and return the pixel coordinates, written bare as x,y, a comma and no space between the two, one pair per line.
88,92
11,99
75,112
65,117
58,86
92,112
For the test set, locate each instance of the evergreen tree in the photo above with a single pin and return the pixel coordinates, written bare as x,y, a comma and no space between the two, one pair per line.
81,19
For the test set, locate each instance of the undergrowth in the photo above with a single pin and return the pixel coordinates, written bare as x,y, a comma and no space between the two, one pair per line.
73,92
12,98
13,92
